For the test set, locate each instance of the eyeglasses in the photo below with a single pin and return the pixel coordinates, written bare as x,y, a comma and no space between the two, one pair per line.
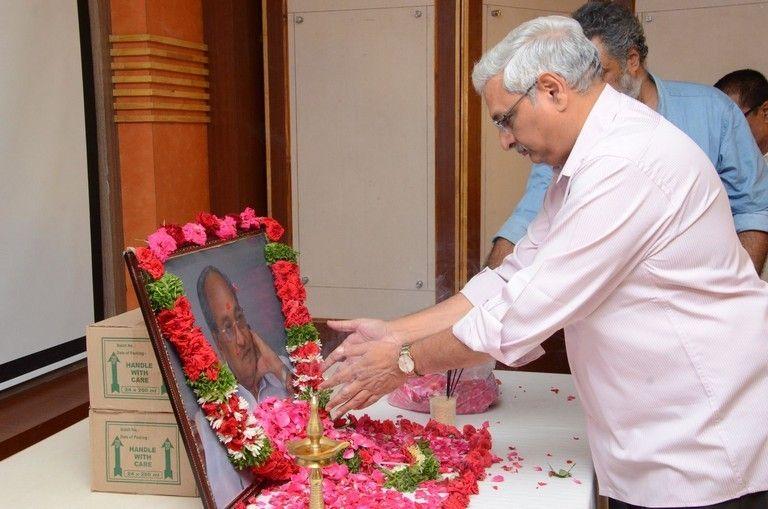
750,110
506,122
229,331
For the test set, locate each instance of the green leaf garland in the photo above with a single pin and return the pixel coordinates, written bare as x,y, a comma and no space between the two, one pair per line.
297,336
275,251
215,390
407,479
164,292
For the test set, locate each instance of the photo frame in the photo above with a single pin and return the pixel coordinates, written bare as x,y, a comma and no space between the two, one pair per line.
220,310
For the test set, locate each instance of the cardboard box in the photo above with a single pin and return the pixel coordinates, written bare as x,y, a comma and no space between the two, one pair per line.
135,452
123,372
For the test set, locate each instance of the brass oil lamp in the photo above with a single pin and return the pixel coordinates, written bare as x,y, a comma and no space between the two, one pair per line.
315,452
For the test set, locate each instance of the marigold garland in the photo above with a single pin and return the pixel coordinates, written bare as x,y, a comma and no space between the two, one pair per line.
213,382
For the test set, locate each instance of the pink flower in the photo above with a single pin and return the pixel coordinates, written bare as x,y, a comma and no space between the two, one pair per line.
161,244
227,228
248,219
194,233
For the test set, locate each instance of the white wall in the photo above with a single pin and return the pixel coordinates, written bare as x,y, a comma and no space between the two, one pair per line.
46,295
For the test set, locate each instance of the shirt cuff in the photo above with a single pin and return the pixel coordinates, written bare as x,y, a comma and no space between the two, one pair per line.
480,330
482,286
513,230
751,221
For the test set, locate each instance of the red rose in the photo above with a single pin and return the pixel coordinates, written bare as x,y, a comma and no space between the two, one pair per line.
209,221
308,349
276,468
296,313
272,227
150,263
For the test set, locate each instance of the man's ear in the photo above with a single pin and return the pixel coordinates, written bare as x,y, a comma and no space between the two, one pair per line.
633,64
552,87
762,112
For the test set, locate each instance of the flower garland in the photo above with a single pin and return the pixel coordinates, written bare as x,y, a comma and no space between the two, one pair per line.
256,438
212,381
364,475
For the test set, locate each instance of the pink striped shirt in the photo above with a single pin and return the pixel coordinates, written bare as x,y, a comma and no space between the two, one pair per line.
635,254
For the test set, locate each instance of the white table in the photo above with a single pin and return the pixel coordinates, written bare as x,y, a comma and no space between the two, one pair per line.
531,417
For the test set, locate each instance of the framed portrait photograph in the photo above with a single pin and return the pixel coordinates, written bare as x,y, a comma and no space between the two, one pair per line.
231,294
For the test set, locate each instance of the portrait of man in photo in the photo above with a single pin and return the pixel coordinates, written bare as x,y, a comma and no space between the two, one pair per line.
258,369
231,291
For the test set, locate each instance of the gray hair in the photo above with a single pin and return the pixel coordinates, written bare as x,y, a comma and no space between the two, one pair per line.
618,29
548,44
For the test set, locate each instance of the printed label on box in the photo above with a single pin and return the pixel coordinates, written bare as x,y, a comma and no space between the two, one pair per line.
130,370
142,452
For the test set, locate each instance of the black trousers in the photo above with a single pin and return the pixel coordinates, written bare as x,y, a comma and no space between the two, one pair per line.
751,501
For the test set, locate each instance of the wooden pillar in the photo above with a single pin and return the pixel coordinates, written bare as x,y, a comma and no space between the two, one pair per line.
160,97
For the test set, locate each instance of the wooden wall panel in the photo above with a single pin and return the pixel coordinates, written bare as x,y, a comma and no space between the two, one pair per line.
687,44
163,161
277,113
363,169
504,173
236,134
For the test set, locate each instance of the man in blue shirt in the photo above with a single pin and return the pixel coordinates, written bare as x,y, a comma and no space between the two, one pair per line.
704,113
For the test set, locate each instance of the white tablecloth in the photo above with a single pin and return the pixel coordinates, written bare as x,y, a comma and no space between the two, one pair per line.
531,417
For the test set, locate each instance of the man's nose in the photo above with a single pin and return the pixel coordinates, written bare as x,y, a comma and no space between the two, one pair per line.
240,336
507,140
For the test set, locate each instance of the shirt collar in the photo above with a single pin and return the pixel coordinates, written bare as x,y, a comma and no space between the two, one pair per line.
598,121
661,91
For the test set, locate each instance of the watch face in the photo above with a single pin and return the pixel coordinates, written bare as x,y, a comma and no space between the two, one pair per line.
405,363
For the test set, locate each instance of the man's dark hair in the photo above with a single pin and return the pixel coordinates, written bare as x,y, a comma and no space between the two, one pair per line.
203,298
619,29
750,85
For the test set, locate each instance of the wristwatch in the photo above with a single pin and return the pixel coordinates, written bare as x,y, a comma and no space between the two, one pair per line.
405,362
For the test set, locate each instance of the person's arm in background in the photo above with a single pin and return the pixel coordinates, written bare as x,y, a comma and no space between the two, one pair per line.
744,174
516,226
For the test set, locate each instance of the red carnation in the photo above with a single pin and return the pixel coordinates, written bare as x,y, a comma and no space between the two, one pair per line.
310,369
296,313
201,362
291,289
209,221
176,233
273,228
308,349
283,271
276,468
178,319
149,262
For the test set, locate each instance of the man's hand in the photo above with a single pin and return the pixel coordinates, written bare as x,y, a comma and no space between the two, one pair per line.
501,248
362,330
368,366
268,361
